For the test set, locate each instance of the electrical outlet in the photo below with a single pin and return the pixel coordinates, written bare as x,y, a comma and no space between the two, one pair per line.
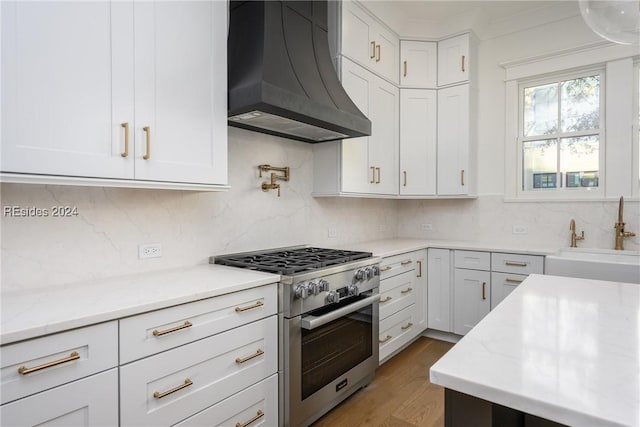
149,250
519,229
426,227
332,233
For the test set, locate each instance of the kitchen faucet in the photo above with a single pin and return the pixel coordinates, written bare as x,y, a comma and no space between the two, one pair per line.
619,226
574,236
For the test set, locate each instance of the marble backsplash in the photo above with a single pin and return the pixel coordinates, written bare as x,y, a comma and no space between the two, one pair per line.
103,239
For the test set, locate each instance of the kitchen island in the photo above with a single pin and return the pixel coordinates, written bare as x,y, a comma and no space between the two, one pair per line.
557,350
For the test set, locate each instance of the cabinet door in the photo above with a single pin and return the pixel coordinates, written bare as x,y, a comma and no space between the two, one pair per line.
453,60
387,53
472,298
453,140
418,64
357,177
421,290
357,34
418,142
384,139
180,94
67,86
502,284
439,290
92,401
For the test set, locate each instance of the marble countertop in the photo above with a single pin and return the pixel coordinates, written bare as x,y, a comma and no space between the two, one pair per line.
561,348
390,247
34,312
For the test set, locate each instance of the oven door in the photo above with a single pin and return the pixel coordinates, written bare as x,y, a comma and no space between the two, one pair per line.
332,352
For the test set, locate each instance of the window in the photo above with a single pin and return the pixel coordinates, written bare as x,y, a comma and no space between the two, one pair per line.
560,142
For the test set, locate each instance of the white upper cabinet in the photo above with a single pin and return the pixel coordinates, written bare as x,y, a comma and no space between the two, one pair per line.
418,142
454,60
115,90
418,64
67,86
367,42
454,144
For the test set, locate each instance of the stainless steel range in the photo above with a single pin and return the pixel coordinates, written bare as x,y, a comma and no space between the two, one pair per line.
329,318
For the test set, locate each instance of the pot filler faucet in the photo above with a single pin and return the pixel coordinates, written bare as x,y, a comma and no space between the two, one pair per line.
619,226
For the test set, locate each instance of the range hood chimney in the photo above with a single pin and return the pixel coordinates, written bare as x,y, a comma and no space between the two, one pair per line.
281,79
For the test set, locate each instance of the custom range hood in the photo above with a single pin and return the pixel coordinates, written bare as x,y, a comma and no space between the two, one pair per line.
281,79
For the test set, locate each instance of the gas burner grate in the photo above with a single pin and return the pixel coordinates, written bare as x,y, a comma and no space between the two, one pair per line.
291,261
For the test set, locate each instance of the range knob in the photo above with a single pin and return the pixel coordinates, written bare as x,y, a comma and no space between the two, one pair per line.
313,288
333,297
376,270
368,272
323,285
359,275
353,290
301,291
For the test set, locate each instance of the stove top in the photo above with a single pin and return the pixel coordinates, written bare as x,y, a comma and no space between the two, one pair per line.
290,261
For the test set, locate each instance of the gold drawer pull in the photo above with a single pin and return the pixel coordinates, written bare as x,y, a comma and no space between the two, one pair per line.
508,280
373,49
147,131
407,326
186,324
23,370
515,264
250,307
385,300
406,262
259,415
387,268
125,153
405,68
419,268
377,53
406,291
378,180
462,177
463,63
484,290
385,339
373,175
187,383
240,360
404,174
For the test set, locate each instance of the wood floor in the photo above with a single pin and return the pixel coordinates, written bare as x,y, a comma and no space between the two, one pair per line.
399,396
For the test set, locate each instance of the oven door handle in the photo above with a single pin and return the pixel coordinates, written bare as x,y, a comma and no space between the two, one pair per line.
311,322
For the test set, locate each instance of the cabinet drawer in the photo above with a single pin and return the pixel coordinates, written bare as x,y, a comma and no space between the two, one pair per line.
91,401
170,386
502,284
473,260
397,264
161,330
258,402
396,293
57,359
514,263
397,330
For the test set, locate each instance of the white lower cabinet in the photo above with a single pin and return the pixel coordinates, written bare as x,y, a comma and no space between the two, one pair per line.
403,309
92,401
472,296
439,290
254,406
502,284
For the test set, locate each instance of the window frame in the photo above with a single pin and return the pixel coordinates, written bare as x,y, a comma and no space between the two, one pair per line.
563,192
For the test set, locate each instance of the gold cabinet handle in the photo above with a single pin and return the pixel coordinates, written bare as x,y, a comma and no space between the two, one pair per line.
406,291
404,174
160,395
147,131
462,177
378,180
515,264
185,325
249,307
373,175
23,370
385,300
463,63
387,268
484,290
508,280
377,53
406,262
125,153
258,415
405,68
407,326
385,339
373,49
241,360
419,268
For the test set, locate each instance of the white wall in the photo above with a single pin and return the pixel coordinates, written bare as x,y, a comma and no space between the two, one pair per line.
102,240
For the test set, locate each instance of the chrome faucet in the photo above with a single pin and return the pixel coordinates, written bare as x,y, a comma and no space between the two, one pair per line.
619,226
574,236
